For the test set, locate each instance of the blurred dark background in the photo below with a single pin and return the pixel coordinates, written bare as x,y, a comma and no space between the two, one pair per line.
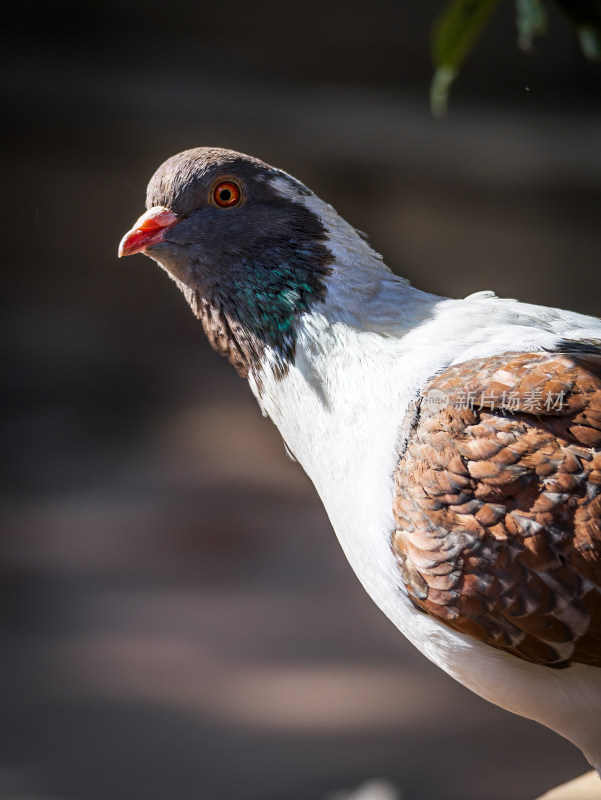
177,619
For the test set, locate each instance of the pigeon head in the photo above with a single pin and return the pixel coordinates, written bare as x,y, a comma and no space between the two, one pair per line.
249,255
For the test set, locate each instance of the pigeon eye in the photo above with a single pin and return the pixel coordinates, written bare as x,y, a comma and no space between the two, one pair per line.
226,194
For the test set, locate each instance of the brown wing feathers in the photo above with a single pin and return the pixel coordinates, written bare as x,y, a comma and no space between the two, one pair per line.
497,504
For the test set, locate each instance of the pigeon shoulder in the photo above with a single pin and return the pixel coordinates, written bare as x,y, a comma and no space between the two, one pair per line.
497,503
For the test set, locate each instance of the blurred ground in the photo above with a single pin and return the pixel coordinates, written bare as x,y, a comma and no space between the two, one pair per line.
160,638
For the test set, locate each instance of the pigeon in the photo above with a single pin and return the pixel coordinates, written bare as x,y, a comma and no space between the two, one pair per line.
455,443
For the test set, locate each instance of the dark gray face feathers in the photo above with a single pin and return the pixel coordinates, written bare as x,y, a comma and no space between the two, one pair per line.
248,254
182,183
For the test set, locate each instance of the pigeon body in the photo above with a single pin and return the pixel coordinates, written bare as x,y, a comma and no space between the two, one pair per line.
456,444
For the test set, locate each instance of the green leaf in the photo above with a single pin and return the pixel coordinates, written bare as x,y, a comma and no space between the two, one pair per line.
590,42
531,21
585,16
454,34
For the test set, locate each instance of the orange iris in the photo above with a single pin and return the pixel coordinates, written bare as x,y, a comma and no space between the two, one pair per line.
226,194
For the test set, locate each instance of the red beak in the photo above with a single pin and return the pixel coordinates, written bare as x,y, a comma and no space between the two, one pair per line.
148,230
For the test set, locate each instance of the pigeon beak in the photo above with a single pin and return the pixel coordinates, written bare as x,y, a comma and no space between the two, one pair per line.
148,230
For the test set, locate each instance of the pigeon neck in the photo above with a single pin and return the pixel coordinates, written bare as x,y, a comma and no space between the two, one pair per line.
359,327
360,290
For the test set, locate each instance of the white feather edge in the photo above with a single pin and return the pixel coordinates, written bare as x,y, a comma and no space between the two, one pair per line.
361,359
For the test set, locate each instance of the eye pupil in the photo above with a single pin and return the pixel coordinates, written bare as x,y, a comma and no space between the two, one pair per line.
225,195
